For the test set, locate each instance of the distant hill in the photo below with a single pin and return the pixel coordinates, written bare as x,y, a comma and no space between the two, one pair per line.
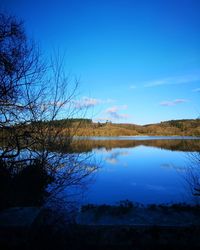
187,127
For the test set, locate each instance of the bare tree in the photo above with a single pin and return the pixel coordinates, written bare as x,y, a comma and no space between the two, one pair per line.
34,93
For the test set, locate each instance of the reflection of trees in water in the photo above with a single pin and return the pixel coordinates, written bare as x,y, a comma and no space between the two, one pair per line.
193,173
190,171
174,145
36,183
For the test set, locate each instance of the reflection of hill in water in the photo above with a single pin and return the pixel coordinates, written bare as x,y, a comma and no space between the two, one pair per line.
174,145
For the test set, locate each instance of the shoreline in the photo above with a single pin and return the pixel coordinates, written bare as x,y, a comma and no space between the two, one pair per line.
128,213
137,137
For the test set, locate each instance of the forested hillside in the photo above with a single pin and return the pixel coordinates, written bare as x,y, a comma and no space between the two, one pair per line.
86,127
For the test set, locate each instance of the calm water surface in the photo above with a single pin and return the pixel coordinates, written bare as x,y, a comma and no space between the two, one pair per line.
151,171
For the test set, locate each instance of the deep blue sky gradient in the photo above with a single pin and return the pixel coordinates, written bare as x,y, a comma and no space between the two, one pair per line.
138,61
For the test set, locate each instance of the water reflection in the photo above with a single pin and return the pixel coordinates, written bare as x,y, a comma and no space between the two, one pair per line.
172,166
193,173
145,171
114,157
178,144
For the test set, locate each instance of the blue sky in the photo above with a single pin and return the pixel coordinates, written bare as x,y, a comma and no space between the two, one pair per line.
138,61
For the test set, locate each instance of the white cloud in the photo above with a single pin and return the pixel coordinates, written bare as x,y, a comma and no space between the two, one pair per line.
116,108
132,87
88,102
173,80
112,109
173,103
118,116
114,112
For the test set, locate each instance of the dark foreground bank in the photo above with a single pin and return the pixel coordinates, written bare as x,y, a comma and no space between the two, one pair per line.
108,237
33,228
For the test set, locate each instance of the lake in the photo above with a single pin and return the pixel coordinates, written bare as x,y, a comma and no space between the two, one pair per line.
140,169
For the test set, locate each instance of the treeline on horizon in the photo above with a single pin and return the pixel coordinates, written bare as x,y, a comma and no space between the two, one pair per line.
86,127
